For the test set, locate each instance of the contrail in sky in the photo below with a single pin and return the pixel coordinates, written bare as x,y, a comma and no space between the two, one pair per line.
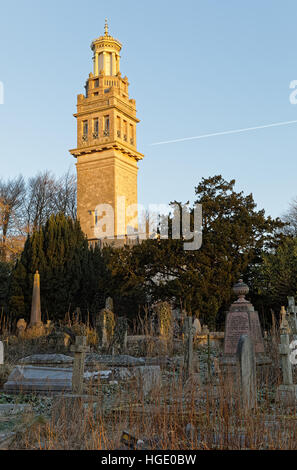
234,131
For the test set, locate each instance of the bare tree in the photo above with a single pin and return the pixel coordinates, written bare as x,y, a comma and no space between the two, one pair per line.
291,219
64,197
12,195
39,204
25,207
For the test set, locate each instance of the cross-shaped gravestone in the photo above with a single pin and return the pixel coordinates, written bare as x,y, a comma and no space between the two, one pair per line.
188,347
80,348
284,351
287,391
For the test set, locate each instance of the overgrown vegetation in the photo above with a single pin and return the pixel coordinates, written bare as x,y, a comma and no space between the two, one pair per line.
238,240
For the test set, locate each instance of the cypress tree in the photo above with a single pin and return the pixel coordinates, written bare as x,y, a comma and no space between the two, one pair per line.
59,250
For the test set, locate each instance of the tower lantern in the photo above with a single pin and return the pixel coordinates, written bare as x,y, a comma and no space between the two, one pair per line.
106,56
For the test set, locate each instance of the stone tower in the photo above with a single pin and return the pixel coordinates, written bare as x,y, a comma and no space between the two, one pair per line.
106,150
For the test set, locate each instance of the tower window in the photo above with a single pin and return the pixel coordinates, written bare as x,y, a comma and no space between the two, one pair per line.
96,83
95,128
118,126
131,134
106,126
85,130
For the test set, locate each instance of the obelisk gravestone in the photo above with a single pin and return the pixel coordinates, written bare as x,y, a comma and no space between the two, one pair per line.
35,319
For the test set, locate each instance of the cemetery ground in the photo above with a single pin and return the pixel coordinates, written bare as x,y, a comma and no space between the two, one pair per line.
181,408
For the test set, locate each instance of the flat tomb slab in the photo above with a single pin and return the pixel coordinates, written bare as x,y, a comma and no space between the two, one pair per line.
47,359
32,378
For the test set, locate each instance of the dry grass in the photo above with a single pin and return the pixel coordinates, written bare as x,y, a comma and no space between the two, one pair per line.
213,410
215,413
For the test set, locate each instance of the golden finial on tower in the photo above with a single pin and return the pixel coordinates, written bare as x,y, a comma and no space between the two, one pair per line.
106,27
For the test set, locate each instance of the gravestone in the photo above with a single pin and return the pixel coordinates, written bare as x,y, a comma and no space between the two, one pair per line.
205,330
291,316
35,319
101,329
1,353
105,324
148,378
188,348
80,348
119,340
247,366
21,327
287,392
284,323
109,304
241,319
197,327
42,379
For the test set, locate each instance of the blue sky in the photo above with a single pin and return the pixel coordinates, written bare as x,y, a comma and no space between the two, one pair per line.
194,67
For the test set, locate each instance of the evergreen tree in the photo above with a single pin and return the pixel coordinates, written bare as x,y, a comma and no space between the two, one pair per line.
5,272
234,237
276,278
69,271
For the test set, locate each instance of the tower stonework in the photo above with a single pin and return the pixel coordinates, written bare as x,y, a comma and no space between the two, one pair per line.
106,150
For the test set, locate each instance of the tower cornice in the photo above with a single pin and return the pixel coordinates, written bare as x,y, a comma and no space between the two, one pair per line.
125,149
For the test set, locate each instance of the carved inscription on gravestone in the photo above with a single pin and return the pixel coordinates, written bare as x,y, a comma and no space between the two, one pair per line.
256,333
237,325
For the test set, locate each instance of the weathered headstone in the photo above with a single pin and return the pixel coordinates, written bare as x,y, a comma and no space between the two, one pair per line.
1,353
35,319
287,392
247,363
242,319
292,319
205,330
284,323
109,304
21,327
197,327
284,351
119,340
101,329
80,348
188,348
148,378
164,320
